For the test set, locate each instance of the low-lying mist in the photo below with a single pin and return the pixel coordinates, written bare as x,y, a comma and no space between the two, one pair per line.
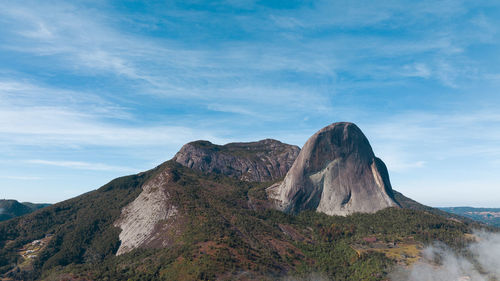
481,262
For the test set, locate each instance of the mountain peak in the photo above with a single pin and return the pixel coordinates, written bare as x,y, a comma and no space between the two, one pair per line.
260,161
336,173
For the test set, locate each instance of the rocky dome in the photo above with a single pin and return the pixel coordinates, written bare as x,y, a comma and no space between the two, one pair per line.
261,161
336,173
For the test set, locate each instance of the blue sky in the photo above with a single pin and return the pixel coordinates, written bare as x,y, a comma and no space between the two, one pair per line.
93,90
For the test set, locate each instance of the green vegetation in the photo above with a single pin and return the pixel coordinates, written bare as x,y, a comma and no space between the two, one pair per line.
11,208
82,226
223,235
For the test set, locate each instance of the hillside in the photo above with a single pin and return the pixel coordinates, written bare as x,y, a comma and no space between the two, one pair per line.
222,235
12,208
490,216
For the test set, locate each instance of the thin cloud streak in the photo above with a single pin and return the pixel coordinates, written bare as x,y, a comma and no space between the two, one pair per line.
23,178
448,134
48,126
82,165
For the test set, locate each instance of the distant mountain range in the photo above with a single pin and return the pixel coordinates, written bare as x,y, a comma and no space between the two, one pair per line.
490,216
12,208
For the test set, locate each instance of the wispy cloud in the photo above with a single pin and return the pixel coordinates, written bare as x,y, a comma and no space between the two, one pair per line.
23,178
442,135
34,115
231,109
50,126
23,95
417,70
87,45
82,165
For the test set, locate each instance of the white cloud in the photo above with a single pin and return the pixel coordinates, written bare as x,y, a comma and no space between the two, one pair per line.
54,126
443,135
23,178
23,95
230,109
82,165
45,116
440,263
417,70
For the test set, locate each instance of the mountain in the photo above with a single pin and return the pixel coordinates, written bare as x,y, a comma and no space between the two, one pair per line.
336,173
144,221
490,216
12,208
182,221
265,160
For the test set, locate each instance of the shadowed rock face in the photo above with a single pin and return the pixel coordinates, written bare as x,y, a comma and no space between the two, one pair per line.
261,161
335,173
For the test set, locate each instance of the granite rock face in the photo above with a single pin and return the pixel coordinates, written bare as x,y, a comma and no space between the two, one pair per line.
336,173
261,161
149,220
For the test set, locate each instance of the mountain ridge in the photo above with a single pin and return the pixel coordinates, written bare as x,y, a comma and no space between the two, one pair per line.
264,160
10,208
489,216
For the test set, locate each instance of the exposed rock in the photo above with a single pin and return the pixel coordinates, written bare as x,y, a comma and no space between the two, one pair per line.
335,173
147,219
261,161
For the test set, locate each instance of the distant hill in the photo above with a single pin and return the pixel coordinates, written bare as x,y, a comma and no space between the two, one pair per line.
12,208
490,216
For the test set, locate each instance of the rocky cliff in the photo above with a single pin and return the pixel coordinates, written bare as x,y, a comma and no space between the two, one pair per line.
335,173
261,161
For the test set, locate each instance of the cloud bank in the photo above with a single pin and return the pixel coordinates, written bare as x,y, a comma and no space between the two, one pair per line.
481,262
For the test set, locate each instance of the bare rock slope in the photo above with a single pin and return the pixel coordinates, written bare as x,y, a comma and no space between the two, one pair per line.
147,221
335,173
261,161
